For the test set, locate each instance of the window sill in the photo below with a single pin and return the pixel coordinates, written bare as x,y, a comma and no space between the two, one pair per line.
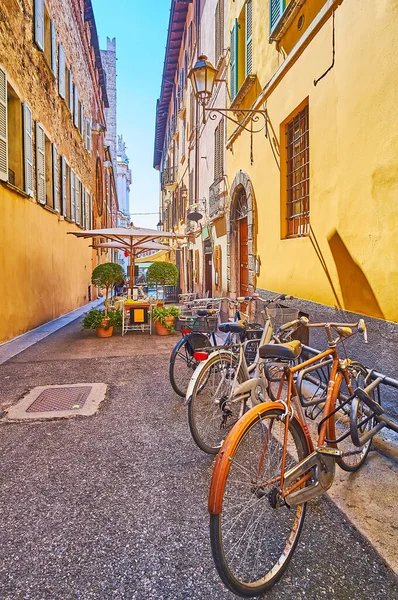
285,21
244,90
50,209
16,189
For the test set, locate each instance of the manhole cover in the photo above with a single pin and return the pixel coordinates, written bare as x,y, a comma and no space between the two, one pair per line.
67,398
59,401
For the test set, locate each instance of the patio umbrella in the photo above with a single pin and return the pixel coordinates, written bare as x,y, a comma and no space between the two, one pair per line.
129,237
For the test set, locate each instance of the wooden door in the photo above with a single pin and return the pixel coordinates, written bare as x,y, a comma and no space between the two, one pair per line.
208,270
243,257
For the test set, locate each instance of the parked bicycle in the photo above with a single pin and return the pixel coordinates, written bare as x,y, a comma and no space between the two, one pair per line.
268,467
198,329
225,385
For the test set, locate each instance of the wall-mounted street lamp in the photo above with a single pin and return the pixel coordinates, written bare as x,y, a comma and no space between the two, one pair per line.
203,77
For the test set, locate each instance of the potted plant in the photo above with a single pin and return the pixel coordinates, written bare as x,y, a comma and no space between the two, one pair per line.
103,324
105,276
161,273
164,318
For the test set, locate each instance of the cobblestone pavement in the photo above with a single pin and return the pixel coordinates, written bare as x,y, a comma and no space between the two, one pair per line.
114,506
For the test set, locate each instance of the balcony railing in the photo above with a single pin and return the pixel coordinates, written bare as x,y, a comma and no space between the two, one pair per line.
169,178
216,199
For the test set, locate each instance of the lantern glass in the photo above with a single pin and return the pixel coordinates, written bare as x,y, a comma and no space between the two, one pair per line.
203,76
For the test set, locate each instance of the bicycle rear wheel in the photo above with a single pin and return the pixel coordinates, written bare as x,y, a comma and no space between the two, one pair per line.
352,457
253,533
182,362
211,415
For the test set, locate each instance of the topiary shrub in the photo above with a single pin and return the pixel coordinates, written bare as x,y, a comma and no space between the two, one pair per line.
162,273
105,276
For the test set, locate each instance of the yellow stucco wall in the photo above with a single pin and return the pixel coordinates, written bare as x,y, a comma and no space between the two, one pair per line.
44,273
350,259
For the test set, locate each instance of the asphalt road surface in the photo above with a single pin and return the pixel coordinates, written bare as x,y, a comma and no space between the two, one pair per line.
114,506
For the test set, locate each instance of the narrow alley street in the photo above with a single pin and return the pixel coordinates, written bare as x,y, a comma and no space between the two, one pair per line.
114,506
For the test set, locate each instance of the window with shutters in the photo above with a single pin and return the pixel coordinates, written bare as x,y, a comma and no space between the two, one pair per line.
297,178
219,151
276,10
241,44
45,35
88,135
69,88
219,31
45,168
15,139
66,189
183,135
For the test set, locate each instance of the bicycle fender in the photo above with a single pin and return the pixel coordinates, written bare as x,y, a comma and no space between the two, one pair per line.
223,463
198,371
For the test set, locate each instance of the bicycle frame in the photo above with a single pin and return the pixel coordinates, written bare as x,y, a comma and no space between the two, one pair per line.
319,466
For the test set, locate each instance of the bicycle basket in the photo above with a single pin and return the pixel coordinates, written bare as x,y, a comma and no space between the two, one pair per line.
279,315
197,324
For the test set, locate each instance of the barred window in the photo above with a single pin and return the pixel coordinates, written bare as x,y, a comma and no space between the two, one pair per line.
297,175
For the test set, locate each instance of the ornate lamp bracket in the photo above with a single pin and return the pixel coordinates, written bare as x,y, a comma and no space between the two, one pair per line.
255,117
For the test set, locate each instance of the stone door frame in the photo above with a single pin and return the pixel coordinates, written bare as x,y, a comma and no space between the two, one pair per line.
241,180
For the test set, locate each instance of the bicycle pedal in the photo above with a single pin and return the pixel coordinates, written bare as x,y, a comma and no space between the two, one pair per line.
328,450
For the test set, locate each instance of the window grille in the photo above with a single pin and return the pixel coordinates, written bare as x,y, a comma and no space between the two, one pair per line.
297,175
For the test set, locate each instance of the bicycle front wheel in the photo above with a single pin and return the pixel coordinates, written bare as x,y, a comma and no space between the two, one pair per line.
339,428
182,362
211,413
253,533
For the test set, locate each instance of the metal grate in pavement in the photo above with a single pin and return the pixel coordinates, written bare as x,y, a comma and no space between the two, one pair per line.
67,398
58,402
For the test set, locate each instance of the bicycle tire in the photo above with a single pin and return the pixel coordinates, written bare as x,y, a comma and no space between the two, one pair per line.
252,537
182,363
208,421
353,457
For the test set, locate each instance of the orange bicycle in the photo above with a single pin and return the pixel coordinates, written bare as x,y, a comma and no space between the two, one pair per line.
268,466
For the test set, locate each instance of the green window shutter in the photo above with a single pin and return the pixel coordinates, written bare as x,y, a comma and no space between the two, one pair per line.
3,127
28,149
55,178
39,23
233,67
276,8
40,163
248,36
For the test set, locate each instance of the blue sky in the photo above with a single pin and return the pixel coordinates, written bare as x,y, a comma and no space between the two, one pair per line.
140,29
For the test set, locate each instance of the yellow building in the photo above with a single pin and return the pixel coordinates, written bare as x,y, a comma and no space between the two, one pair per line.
52,180
314,208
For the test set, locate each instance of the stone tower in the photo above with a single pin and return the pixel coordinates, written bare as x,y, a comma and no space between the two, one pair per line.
108,58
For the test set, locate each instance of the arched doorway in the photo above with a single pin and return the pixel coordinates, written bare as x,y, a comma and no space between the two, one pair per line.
240,244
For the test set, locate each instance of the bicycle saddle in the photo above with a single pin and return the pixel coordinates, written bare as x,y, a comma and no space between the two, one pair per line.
289,351
231,328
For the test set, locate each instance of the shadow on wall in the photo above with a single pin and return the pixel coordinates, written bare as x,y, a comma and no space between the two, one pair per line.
357,293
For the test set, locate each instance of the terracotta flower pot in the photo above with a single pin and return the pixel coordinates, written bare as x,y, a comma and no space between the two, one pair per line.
161,329
102,332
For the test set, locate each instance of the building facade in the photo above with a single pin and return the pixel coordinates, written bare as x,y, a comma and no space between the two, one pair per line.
52,176
317,190
189,148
